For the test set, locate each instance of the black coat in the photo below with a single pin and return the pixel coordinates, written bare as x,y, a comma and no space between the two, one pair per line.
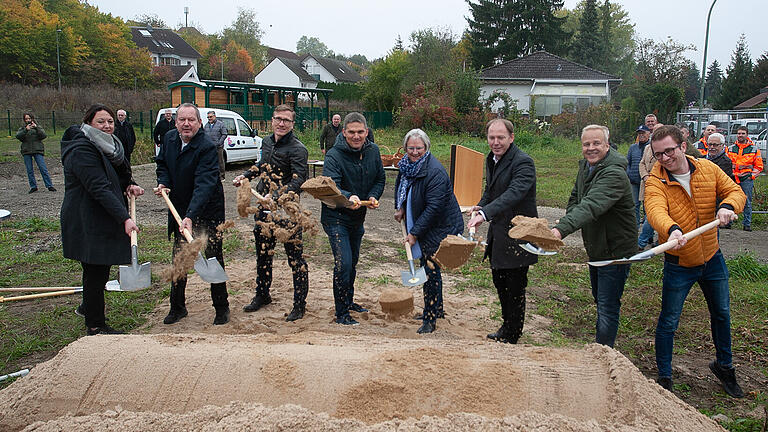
286,157
436,212
192,175
127,136
725,163
510,190
94,210
162,127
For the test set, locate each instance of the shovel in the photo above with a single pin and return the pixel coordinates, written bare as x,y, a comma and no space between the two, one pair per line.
536,250
650,253
411,277
209,269
112,285
135,277
41,295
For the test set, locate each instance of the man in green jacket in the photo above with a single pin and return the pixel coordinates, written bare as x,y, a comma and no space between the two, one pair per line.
601,205
31,136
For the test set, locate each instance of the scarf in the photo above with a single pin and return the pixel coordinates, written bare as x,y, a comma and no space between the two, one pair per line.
109,145
408,171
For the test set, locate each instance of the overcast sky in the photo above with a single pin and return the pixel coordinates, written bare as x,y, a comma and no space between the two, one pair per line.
371,27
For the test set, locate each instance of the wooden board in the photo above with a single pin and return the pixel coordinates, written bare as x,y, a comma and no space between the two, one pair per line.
467,175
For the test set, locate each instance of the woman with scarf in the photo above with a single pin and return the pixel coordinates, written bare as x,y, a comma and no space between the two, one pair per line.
95,224
424,200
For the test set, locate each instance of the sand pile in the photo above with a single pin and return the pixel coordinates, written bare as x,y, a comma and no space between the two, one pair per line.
193,382
536,231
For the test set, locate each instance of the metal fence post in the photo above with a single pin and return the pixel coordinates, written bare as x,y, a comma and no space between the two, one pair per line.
9,123
141,121
53,120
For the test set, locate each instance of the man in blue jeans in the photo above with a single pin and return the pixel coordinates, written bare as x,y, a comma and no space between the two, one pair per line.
681,194
354,164
603,207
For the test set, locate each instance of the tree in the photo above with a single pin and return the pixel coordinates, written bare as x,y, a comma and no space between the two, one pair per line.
736,86
149,19
385,79
466,92
247,33
760,73
398,44
312,45
662,62
713,82
588,46
692,83
431,59
505,29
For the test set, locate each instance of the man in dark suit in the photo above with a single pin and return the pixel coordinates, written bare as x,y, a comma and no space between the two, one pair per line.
510,190
163,126
124,131
188,165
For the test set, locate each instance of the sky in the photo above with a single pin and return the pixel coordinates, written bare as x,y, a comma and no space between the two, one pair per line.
371,27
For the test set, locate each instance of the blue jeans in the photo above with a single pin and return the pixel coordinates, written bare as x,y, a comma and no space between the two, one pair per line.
433,291
713,280
40,160
646,234
607,287
747,186
345,244
638,203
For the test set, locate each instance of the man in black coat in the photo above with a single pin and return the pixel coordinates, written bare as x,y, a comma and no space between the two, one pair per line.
510,190
287,158
189,166
163,126
330,132
124,131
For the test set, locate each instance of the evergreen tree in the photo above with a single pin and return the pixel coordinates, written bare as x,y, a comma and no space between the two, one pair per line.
398,44
736,85
713,82
588,46
502,30
760,73
692,83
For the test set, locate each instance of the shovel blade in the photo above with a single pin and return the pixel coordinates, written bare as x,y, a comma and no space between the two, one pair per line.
413,279
536,250
210,270
135,277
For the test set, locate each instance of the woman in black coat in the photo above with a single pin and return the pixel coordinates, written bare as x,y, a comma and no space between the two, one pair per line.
424,199
95,224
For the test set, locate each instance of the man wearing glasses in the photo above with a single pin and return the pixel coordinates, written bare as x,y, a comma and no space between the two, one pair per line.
217,132
681,194
282,154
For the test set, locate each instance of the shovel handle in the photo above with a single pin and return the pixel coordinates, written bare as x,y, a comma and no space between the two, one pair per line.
164,193
689,235
473,229
41,295
407,245
258,196
132,205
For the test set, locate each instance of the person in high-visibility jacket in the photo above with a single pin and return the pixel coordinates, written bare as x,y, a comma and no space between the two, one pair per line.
701,144
747,165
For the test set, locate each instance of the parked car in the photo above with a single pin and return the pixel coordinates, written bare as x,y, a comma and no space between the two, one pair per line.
242,143
761,141
754,127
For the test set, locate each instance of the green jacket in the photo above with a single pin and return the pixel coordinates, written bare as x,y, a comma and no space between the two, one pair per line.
601,205
31,140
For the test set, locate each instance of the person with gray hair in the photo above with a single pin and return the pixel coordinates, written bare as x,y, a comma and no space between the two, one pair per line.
217,132
602,206
125,133
424,200
716,152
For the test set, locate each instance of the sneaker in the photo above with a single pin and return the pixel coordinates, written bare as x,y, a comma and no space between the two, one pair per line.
257,303
665,383
174,316
346,320
52,189
222,316
427,327
727,378
33,190
80,310
296,313
105,329
357,308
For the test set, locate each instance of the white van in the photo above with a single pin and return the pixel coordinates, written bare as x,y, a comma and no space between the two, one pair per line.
241,144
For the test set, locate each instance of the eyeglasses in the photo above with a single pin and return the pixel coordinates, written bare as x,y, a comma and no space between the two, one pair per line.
415,149
668,152
210,116
281,120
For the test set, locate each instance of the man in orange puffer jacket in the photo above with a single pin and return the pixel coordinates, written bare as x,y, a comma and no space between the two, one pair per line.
681,194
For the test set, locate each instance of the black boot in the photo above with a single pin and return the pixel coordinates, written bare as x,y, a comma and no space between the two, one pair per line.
174,316
257,303
426,327
502,335
222,316
297,313
178,302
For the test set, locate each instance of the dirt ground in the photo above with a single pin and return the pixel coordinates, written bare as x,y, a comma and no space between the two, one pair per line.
259,372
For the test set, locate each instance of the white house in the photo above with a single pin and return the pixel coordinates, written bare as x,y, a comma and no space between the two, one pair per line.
165,46
329,70
284,72
554,83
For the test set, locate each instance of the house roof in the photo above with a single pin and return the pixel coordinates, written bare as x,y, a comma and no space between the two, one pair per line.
273,53
295,66
543,65
178,71
754,100
162,41
339,69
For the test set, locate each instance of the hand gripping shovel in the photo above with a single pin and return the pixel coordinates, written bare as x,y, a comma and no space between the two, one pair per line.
650,253
135,277
209,269
411,277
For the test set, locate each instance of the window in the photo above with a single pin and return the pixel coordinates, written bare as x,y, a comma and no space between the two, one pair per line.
753,128
245,130
547,105
145,33
187,95
229,123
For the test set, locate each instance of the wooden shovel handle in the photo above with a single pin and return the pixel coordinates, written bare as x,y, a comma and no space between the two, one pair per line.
689,235
258,196
41,295
132,205
164,193
37,289
407,245
473,229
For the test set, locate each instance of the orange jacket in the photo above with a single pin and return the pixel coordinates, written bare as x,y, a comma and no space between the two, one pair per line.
702,146
746,160
668,204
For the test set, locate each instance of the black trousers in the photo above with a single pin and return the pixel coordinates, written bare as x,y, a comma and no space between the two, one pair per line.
212,249
95,278
294,249
510,285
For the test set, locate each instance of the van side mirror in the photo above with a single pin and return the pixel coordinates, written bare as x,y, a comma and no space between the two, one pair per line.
253,133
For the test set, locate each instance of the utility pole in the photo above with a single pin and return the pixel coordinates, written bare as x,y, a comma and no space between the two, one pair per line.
704,71
58,60
222,64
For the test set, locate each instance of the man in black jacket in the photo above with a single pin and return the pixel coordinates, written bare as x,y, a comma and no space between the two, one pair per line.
286,157
330,132
354,164
163,126
510,190
189,166
124,131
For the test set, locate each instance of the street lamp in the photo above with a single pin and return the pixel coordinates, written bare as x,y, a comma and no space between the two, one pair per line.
222,64
58,61
704,70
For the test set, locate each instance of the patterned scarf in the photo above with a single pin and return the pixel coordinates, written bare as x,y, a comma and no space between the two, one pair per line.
408,171
108,144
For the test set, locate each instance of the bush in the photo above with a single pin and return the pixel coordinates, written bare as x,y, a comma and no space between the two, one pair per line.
621,122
